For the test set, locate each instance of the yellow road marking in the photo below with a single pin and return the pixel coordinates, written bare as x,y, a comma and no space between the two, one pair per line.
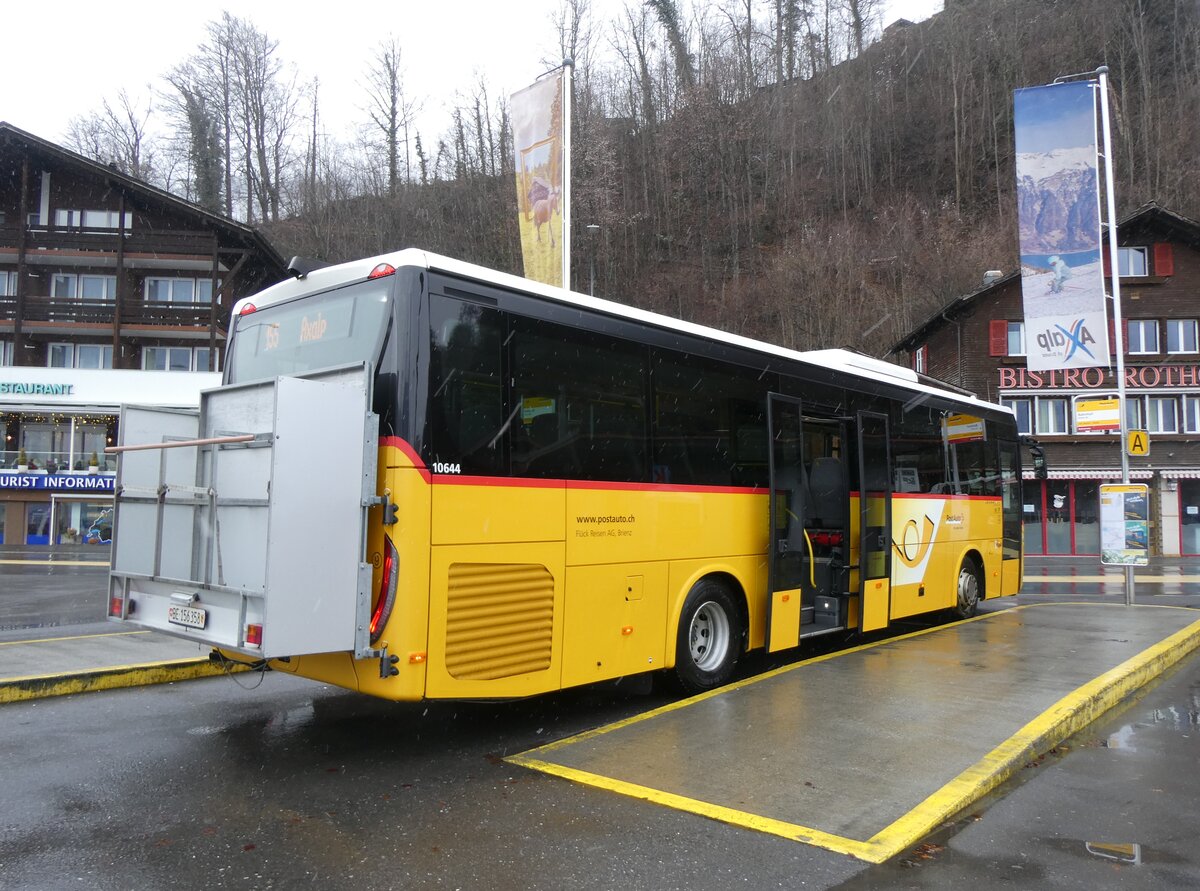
52,562
1067,716
10,643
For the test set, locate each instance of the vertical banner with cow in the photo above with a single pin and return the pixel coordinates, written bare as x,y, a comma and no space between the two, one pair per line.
540,127
1058,214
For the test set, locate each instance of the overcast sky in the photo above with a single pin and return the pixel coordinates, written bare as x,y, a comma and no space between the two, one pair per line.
64,58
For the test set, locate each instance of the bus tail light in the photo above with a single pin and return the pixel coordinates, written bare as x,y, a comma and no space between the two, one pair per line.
116,607
387,590
254,635
247,309
382,270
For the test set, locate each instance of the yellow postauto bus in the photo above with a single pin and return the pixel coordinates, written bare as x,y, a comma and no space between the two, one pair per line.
421,478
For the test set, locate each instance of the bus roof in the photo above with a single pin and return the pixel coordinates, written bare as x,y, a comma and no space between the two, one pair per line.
845,361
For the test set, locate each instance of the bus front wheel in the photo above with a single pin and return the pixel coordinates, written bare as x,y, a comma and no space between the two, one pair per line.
968,590
709,639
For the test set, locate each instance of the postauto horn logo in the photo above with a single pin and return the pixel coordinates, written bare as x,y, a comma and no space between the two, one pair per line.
1054,340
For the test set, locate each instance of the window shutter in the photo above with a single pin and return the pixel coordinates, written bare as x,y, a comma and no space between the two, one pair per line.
1107,258
998,337
1164,259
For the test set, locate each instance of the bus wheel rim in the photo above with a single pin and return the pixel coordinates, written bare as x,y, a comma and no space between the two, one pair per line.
968,589
709,636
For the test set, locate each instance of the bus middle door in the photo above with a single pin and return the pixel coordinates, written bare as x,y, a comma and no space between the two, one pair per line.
874,520
808,518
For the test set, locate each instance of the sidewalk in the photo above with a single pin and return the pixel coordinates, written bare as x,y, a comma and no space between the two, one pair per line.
97,660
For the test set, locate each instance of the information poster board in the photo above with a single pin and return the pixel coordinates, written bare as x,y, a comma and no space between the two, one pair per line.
1124,524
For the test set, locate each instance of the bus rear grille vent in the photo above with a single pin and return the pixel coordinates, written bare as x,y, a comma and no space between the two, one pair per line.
499,620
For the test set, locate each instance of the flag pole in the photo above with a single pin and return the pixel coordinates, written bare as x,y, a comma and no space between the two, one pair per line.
1114,267
568,88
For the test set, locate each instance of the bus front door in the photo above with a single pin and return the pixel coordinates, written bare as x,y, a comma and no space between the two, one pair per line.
809,525
874,520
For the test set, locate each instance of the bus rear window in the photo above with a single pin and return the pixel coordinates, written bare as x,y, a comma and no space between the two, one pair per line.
324,330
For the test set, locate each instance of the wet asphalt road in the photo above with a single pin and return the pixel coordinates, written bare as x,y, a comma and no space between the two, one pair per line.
293,784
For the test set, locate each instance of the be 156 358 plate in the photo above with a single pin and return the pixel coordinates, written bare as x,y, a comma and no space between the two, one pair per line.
188,616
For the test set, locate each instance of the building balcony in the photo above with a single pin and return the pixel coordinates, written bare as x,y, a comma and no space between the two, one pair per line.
62,315
98,248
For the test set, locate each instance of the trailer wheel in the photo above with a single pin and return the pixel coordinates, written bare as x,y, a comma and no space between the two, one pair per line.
709,640
968,590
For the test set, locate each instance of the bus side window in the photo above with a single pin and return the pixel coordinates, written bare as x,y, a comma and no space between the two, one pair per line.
466,396
579,404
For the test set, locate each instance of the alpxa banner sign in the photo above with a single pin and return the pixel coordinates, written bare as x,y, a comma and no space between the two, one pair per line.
1058,217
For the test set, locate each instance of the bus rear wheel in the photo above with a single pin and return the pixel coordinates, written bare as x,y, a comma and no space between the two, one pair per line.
710,636
968,590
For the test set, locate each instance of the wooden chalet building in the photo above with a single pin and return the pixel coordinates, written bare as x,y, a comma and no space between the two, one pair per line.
978,342
111,291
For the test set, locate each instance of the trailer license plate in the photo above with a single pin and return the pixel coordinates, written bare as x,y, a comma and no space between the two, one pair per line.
187,615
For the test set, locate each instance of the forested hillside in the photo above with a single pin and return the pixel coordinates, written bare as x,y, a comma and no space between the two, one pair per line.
768,166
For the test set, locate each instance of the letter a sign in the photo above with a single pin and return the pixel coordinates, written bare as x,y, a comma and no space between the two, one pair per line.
1137,445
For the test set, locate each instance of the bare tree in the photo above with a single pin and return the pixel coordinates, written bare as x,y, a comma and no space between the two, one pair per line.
117,135
390,110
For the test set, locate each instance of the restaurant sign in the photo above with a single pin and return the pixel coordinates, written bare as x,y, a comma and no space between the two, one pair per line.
1146,377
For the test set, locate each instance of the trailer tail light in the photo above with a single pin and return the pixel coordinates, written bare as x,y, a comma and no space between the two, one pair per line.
116,607
254,635
383,269
387,590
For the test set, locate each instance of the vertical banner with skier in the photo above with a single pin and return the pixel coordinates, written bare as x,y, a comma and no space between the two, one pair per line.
540,139
1058,213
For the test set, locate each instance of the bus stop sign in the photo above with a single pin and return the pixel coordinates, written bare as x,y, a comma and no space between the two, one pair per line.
1137,443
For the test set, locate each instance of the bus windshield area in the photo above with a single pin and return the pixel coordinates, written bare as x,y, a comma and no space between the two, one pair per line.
322,330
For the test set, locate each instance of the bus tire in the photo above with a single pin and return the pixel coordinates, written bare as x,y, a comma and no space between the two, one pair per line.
969,590
709,640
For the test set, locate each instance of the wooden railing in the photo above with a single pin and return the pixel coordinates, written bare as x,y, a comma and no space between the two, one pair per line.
133,312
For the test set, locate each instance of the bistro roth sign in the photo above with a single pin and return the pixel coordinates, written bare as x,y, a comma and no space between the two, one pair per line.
1139,377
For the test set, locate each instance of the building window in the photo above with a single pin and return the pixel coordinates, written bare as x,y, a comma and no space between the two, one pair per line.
1133,413
1023,409
1161,414
6,352
91,219
1016,338
99,288
62,285
1181,336
1191,414
8,284
1051,415
1131,261
89,355
83,355
175,359
920,360
1143,336
179,290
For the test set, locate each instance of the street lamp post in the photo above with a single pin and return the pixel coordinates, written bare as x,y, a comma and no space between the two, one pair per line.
593,230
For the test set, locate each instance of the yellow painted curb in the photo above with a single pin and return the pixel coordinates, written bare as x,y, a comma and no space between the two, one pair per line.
43,686
1066,717
1069,715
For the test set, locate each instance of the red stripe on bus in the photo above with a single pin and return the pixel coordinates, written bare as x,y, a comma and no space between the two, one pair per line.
409,452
